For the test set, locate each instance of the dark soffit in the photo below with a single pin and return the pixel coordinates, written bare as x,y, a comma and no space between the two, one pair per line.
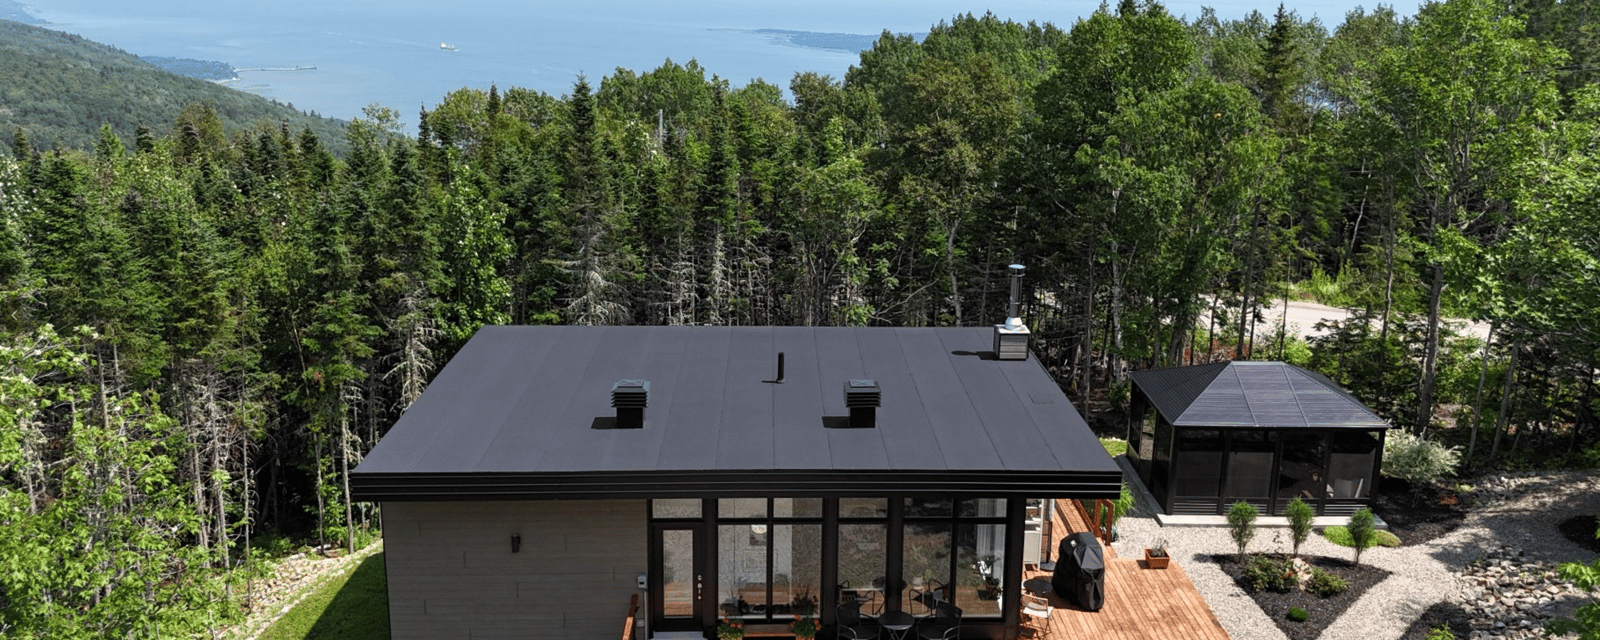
512,416
1252,394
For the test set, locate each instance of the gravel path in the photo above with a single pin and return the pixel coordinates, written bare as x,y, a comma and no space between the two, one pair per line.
1423,575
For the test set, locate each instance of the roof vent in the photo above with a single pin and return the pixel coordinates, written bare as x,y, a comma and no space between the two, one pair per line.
1011,338
630,398
863,397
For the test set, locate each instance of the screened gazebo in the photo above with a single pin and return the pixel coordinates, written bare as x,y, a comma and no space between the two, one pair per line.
1207,436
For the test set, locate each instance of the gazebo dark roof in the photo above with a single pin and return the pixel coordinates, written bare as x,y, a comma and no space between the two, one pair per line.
1252,394
521,413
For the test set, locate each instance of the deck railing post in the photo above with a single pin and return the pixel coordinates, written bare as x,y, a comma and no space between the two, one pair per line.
633,613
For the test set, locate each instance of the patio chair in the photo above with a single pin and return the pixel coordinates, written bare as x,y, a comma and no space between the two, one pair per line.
923,599
944,625
1036,615
850,626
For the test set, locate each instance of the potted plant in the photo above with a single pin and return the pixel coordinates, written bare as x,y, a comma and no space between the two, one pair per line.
730,630
1156,556
804,627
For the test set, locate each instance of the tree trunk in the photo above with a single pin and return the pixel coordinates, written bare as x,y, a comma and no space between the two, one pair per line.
344,472
1477,403
322,508
1505,399
1430,361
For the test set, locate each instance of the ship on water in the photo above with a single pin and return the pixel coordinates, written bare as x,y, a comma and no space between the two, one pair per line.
447,47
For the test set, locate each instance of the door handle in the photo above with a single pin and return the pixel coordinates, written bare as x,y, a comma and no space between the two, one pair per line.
697,583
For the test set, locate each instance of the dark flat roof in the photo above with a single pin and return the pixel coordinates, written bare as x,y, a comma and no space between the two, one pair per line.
1252,394
514,415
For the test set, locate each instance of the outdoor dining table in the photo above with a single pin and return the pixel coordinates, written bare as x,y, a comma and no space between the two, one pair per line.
1039,586
897,622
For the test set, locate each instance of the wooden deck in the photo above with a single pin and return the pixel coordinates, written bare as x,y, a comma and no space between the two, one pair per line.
1141,604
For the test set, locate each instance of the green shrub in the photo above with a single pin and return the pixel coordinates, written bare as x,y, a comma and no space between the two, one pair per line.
1270,574
1297,614
1409,457
1362,534
1300,516
1340,535
1242,525
1325,585
1440,632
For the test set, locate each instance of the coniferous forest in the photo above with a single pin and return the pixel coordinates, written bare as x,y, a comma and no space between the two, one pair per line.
204,329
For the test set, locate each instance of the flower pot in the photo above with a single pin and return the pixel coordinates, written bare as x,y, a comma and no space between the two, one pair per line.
1156,562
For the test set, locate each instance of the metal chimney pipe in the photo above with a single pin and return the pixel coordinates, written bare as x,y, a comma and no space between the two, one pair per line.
780,368
1014,313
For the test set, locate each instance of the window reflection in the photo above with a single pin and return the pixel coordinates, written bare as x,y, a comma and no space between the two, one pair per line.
861,563
926,564
980,558
675,508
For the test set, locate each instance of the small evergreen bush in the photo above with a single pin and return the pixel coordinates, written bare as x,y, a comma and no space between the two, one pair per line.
1270,574
1325,585
1409,457
1300,516
1362,534
1297,614
1242,525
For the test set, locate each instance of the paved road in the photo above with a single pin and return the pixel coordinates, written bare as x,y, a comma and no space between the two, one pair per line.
1304,316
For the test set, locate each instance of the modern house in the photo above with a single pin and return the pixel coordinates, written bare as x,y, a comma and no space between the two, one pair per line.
1204,437
550,473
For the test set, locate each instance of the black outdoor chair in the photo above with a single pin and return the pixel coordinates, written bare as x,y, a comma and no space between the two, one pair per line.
924,599
944,625
850,627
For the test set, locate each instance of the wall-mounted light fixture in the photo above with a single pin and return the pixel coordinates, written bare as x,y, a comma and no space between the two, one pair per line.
516,542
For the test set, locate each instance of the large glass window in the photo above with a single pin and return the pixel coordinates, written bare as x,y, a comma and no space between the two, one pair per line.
926,564
742,569
1161,459
957,552
862,556
1300,471
980,566
769,557
1250,464
1350,465
1199,465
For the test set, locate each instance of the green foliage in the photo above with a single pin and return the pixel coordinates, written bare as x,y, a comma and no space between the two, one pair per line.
62,88
1441,632
1362,533
1325,585
1585,621
1270,574
1114,446
1411,457
1123,504
1340,535
1300,515
1242,525
1296,614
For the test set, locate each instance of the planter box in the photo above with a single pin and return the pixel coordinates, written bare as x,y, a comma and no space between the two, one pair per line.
1156,562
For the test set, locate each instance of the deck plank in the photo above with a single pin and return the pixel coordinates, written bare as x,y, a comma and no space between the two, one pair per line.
1141,603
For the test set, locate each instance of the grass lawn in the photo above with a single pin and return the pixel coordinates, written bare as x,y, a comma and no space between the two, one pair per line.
354,606
1114,446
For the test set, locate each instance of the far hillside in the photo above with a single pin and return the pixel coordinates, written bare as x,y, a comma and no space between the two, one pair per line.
60,88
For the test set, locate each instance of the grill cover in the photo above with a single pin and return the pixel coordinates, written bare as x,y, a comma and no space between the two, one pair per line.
1080,574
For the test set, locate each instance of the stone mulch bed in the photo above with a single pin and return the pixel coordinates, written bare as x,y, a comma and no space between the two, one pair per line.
1323,611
